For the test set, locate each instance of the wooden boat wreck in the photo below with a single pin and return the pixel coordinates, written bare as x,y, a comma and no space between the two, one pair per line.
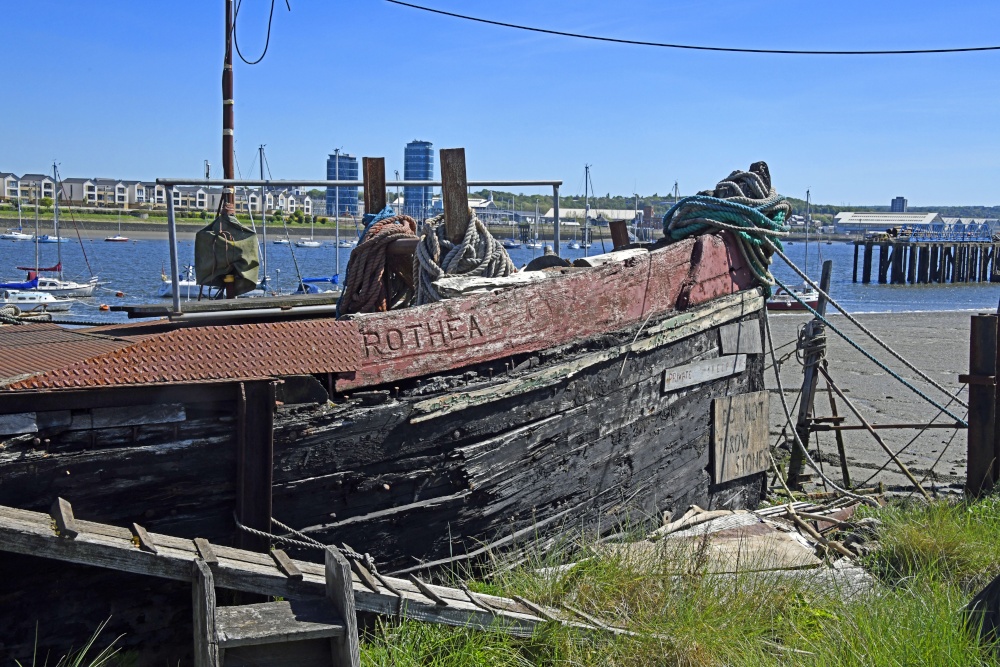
572,401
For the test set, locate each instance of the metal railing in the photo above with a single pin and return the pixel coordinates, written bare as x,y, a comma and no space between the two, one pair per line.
171,183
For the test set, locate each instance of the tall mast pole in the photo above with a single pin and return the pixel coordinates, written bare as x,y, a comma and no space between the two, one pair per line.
228,159
55,219
336,206
263,215
586,211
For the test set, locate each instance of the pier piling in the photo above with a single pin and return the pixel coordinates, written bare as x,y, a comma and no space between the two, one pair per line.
854,274
911,273
883,263
923,264
866,276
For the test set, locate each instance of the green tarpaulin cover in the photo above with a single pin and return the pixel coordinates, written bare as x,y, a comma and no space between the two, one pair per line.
225,247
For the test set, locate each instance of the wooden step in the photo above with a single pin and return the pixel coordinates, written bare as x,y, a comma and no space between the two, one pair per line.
276,623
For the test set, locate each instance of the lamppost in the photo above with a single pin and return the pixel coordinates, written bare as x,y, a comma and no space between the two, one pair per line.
398,209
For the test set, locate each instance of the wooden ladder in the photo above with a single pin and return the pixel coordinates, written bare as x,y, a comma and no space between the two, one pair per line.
321,632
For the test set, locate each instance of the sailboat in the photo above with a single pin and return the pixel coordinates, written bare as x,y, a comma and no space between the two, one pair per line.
586,208
118,238
57,286
797,298
16,234
308,242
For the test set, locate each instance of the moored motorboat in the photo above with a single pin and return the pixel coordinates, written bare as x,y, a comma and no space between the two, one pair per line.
797,300
15,235
28,301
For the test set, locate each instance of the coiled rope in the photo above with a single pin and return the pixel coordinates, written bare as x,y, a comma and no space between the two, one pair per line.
436,257
10,314
368,286
746,204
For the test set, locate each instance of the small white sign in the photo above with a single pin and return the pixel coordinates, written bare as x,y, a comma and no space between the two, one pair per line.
689,375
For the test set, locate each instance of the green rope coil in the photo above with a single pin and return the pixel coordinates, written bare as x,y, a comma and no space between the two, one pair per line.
745,204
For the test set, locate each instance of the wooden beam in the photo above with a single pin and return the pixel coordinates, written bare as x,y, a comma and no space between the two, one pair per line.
206,646
982,464
205,551
285,564
340,591
142,537
254,461
374,178
454,193
62,513
619,233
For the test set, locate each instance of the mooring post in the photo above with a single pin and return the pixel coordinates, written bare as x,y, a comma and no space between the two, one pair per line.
619,233
866,275
816,346
912,266
995,275
374,178
924,264
934,264
982,461
254,461
854,274
454,193
898,262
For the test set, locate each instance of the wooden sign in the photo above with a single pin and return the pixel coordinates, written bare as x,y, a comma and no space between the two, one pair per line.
739,436
741,338
689,375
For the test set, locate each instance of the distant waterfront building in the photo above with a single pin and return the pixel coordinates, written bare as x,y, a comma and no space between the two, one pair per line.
898,205
418,165
347,170
853,222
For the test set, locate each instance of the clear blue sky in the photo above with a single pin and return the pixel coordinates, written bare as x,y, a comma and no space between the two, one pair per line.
131,90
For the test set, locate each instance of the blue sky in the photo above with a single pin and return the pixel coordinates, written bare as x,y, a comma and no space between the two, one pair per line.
132,89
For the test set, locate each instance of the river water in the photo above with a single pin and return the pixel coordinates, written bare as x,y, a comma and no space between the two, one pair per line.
134,268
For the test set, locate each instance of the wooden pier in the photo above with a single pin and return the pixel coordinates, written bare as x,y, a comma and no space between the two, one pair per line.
903,261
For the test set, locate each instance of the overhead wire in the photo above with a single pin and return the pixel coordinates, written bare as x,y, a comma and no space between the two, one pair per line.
693,47
267,41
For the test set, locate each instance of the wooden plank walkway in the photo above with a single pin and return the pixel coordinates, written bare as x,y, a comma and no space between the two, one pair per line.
101,545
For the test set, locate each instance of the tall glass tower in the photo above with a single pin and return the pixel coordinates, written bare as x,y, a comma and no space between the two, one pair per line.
346,170
418,165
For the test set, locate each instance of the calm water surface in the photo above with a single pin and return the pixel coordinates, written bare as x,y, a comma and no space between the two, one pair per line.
134,268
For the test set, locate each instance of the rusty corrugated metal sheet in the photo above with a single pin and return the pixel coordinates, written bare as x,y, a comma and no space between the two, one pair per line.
37,348
197,354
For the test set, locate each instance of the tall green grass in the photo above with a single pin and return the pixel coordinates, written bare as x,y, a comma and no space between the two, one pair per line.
930,560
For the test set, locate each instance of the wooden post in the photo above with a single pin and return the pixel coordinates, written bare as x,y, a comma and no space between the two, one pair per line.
454,193
814,333
898,262
866,275
912,267
854,275
935,264
922,271
206,642
340,592
374,178
982,461
619,233
254,461
841,450
995,275
883,262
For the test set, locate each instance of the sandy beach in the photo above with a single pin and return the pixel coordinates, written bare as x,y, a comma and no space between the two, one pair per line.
935,342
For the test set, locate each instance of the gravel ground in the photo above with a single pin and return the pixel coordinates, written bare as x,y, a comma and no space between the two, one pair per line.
935,342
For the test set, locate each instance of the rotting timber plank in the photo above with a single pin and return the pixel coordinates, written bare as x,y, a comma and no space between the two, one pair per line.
640,435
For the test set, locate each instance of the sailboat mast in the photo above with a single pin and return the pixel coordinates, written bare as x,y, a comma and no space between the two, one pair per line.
263,216
228,155
808,225
37,187
586,211
55,220
336,206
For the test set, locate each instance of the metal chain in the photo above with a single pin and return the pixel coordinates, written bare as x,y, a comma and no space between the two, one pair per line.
306,542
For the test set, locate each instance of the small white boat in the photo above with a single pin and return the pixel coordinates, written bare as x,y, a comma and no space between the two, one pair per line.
573,245
347,244
15,235
280,242
30,302
187,286
45,238
534,245
511,243
117,238
782,300
308,243
66,288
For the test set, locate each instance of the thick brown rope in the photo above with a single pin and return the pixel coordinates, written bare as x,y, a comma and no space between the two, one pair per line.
367,289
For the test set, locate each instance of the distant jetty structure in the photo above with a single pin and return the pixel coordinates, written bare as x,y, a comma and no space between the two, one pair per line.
922,248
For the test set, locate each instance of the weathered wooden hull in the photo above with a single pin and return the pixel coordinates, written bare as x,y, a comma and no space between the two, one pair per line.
515,418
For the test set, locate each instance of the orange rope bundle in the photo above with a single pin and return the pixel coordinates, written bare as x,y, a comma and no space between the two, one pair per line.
368,288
